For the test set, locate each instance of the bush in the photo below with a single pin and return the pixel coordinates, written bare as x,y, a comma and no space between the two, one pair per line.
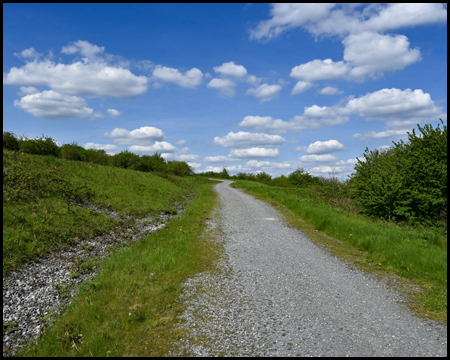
281,181
179,168
72,152
224,174
263,177
301,177
125,159
40,146
99,157
10,142
408,181
159,164
145,164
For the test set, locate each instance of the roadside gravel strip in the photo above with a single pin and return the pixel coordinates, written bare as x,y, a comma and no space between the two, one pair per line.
275,293
35,294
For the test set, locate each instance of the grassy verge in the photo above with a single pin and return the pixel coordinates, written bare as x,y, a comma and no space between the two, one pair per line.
130,308
414,260
40,195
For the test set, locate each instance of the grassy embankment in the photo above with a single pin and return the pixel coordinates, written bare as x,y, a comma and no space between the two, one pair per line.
130,307
40,192
410,256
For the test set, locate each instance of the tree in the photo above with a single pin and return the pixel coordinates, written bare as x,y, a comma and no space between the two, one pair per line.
263,177
224,174
300,177
10,142
179,168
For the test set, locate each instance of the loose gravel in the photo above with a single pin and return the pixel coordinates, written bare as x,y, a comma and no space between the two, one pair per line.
275,293
39,291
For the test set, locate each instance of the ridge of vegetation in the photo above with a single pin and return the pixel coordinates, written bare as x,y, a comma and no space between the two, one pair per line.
45,187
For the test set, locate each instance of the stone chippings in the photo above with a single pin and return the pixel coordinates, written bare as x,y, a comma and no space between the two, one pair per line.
275,293
40,290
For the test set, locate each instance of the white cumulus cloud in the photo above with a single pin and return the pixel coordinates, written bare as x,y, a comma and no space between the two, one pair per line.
225,86
244,139
255,152
329,90
397,108
30,53
180,157
313,117
265,92
267,165
380,134
231,69
85,48
372,54
146,136
89,79
189,79
301,86
318,158
343,19
219,158
319,70
106,147
158,146
113,113
27,90
324,147
50,104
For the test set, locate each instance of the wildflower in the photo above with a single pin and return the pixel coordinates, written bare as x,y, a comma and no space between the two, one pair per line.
350,234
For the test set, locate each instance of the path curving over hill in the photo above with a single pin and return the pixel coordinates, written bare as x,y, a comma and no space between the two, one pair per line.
275,293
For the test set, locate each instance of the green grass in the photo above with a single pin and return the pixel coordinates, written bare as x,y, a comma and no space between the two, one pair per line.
130,308
40,195
414,255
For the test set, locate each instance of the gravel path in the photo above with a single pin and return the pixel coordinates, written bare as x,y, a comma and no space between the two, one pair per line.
275,293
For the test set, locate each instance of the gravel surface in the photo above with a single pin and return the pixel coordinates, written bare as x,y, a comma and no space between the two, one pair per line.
275,293
39,291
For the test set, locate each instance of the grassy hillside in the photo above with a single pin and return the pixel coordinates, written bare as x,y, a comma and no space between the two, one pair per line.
40,196
419,256
131,307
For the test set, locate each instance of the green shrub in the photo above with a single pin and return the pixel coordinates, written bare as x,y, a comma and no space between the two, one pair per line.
99,157
124,159
408,181
145,164
72,152
281,181
224,174
179,168
301,177
263,177
10,142
40,146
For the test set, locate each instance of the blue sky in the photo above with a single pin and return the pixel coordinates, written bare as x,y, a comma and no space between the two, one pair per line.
254,87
